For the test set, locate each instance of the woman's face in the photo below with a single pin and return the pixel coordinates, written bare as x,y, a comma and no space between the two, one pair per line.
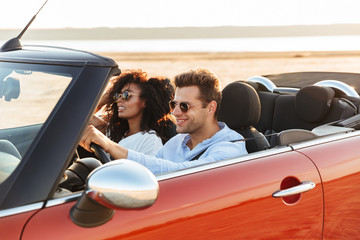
133,107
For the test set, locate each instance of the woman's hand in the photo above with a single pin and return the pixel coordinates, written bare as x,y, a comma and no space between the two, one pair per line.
92,134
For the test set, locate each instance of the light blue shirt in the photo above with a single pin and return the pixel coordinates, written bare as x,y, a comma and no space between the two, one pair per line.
175,155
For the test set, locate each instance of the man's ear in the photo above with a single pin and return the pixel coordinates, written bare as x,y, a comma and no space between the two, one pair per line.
212,107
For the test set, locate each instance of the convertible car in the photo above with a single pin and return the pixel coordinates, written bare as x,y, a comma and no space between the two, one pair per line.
299,181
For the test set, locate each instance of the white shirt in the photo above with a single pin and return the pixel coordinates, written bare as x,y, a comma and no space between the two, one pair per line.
147,143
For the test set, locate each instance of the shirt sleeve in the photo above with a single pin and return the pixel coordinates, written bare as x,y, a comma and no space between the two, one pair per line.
214,153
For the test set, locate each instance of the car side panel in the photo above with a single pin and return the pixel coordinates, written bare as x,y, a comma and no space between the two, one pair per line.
339,166
12,226
228,202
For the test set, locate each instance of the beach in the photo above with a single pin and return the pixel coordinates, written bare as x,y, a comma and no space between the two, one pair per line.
233,66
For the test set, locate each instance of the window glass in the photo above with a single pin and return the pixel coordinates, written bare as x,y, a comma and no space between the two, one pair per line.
28,94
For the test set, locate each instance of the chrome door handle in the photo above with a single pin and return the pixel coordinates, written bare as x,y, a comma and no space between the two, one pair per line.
302,187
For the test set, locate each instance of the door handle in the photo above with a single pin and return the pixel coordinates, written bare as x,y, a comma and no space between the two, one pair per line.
302,187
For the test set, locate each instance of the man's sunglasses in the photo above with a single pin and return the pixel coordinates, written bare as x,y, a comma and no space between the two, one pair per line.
184,106
124,96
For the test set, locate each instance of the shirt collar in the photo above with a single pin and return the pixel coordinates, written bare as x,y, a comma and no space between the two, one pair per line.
187,137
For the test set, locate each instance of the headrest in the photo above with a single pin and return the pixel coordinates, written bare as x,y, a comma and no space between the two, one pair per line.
313,102
255,85
7,147
240,105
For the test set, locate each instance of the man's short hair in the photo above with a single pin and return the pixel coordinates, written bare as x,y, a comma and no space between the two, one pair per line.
208,83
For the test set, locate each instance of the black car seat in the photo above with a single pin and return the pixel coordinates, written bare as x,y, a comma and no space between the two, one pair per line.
9,159
240,110
320,105
312,106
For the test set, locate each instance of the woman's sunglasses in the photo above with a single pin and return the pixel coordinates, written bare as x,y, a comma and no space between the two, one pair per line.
124,96
184,106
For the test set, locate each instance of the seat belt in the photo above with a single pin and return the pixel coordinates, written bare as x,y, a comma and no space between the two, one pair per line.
199,155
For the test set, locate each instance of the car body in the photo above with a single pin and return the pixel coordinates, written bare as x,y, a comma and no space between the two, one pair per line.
306,189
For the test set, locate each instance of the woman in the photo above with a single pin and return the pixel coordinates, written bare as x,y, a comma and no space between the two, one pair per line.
136,111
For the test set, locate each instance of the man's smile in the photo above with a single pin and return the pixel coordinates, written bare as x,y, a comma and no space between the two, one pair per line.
180,121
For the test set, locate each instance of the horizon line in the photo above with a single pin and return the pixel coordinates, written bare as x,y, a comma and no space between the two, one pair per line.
156,27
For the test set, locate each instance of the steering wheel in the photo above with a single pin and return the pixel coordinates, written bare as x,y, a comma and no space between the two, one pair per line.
100,153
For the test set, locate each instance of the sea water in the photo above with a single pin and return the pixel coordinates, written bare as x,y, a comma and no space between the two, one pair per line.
268,44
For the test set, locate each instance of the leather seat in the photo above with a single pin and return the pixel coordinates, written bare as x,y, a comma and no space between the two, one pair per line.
312,106
240,109
319,105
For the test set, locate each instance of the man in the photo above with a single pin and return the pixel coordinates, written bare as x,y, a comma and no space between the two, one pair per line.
201,138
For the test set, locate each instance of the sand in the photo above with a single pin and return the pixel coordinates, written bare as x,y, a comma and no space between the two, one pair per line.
230,67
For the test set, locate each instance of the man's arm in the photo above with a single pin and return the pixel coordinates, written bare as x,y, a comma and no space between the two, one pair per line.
166,161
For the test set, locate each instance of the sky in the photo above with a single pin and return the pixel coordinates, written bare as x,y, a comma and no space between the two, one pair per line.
170,13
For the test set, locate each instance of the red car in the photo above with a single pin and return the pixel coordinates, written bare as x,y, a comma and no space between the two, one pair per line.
302,183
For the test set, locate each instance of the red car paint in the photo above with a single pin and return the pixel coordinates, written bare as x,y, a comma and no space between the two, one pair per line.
228,202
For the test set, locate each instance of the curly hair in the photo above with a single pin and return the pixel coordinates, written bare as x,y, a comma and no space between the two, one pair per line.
156,91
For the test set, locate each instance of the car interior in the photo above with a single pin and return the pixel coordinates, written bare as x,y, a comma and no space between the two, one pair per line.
281,116
240,109
267,116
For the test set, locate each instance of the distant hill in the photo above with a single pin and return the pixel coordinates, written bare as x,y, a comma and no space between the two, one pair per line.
182,32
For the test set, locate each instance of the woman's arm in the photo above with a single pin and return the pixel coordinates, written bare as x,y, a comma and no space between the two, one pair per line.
99,123
93,135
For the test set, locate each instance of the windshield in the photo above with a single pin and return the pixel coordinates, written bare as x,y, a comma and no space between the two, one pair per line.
28,94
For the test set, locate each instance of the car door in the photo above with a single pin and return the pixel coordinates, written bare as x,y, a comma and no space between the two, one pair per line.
231,199
339,164
12,223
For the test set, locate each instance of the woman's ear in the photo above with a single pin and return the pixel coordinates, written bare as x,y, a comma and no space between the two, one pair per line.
144,104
